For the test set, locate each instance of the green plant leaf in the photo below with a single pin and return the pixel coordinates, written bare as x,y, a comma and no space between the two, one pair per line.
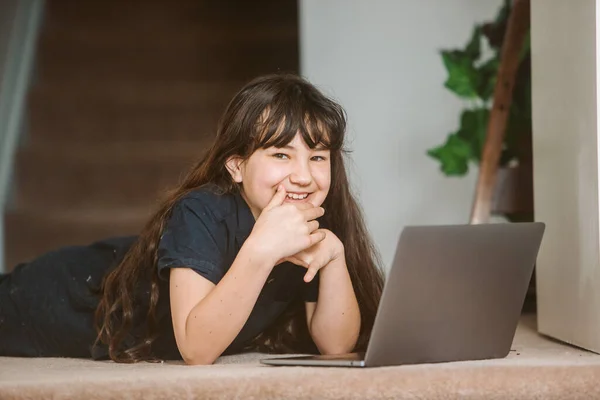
454,155
473,49
488,72
462,75
473,129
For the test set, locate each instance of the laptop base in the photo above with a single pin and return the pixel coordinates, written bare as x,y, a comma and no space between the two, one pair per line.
342,360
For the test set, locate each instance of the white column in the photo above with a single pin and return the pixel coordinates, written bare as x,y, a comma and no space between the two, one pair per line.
565,77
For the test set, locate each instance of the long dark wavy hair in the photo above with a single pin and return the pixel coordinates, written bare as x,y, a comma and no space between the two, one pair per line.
297,106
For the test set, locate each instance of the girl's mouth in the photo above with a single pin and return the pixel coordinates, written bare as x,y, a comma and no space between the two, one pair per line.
297,196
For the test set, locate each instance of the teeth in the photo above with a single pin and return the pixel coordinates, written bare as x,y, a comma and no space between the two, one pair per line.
297,196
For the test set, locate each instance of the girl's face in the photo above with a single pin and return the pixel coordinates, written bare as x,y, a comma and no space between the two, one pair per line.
304,172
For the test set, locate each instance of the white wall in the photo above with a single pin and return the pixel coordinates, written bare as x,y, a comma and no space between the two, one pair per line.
380,59
565,74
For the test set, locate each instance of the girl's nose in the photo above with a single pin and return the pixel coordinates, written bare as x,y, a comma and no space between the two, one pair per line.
300,179
301,175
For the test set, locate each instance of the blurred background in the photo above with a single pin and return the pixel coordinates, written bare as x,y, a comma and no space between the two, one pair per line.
105,104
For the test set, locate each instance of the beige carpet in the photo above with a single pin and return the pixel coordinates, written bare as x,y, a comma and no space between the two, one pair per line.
538,368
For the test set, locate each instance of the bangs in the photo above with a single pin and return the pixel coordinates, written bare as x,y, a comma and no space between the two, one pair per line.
322,127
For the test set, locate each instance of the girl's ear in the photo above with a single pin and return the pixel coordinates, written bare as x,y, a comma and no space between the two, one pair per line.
234,166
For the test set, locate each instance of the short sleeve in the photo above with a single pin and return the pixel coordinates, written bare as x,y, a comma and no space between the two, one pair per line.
192,238
311,291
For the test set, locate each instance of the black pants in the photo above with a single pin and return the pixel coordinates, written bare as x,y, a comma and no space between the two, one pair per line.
47,305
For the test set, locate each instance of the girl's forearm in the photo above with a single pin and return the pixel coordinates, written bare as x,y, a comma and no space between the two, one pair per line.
217,319
335,324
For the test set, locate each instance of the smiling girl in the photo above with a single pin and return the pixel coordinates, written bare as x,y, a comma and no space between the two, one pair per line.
261,248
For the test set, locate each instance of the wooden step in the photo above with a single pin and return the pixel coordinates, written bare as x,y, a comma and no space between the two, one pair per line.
160,14
163,34
125,96
66,176
29,235
127,111
240,62
46,124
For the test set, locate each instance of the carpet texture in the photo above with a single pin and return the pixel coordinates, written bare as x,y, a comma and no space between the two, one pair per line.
536,368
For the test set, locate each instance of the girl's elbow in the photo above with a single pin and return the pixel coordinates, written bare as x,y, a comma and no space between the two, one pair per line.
328,345
337,347
198,357
334,350
198,361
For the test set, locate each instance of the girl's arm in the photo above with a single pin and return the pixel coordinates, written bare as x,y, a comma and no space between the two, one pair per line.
334,320
207,318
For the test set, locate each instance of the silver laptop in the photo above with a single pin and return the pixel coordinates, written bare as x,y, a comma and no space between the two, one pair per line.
453,293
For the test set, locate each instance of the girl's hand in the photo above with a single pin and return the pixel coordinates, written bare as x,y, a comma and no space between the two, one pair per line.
282,230
319,255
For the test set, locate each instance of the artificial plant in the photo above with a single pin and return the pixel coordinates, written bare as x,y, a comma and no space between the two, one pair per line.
472,75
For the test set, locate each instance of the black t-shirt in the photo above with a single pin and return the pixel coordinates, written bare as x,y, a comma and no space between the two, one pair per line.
47,305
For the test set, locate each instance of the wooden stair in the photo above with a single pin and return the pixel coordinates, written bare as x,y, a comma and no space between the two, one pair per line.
126,97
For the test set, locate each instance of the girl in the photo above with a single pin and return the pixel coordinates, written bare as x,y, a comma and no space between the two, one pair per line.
261,248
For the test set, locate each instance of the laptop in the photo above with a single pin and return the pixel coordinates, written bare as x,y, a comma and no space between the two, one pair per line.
453,293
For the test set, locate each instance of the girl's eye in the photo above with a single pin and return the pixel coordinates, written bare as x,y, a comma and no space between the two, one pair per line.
318,158
281,156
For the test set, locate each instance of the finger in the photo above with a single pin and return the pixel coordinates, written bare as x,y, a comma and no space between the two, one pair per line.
297,261
316,237
278,198
312,271
313,225
313,213
304,206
